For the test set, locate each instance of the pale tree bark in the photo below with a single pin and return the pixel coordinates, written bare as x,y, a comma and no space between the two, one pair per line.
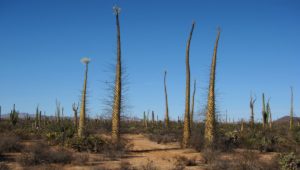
116,111
186,125
210,124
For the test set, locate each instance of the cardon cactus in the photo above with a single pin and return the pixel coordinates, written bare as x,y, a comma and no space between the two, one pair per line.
14,116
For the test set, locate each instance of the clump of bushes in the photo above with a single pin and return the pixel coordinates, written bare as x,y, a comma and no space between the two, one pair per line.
9,143
289,161
181,162
40,153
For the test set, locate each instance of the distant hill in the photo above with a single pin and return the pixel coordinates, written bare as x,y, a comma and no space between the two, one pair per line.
286,119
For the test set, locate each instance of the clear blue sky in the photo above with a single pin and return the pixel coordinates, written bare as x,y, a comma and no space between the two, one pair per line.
42,43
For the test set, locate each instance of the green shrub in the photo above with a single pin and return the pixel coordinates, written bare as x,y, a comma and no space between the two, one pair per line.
289,161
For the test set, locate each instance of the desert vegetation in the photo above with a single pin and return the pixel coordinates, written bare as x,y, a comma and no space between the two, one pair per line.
122,142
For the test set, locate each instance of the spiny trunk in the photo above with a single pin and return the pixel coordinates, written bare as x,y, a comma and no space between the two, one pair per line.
81,128
210,124
166,101
193,102
186,127
115,134
292,110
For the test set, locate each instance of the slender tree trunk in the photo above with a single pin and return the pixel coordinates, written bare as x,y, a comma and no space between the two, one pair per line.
186,127
292,110
81,129
115,134
210,124
166,101
193,103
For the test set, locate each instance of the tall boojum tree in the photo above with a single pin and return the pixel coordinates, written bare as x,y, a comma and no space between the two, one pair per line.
116,110
186,126
81,128
210,123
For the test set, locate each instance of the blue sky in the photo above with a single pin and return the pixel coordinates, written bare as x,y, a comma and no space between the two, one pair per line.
42,43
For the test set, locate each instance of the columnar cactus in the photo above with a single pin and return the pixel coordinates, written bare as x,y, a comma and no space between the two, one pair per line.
193,102
14,116
264,112
75,110
153,119
269,114
81,128
187,127
292,110
116,111
210,123
166,102
36,117
252,102
57,112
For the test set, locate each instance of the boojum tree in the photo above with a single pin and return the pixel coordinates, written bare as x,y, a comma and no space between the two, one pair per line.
193,105
166,101
116,110
210,123
186,124
81,128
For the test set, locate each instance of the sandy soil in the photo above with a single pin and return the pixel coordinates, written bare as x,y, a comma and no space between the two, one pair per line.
143,152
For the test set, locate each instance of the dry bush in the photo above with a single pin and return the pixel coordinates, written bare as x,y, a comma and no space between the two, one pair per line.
149,166
3,166
182,161
115,151
9,143
80,159
126,166
40,153
209,156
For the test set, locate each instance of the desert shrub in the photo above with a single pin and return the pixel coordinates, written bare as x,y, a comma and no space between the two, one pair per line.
209,156
90,144
40,153
289,161
3,166
164,135
163,138
114,151
80,159
126,166
182,161
149,166
197,137
247,160
9,143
